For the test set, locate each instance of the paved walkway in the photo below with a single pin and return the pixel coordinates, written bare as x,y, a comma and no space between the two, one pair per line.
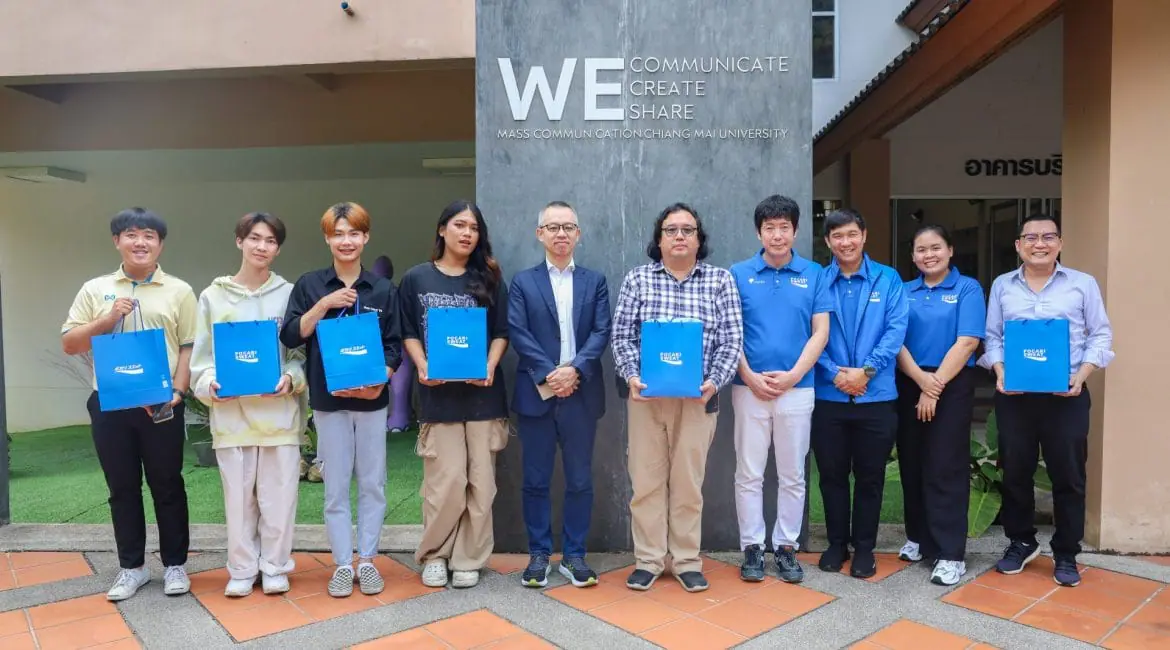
55,599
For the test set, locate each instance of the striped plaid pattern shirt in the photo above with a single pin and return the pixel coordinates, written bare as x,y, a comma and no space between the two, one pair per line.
707,294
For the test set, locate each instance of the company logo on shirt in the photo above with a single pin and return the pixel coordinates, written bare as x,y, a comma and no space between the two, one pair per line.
951,298
458,342
248,356
109,297
876,296
1036,354
354,351
132,369
753,280
671,358
799,282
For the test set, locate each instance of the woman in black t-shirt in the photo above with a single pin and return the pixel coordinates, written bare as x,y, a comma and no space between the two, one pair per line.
462,424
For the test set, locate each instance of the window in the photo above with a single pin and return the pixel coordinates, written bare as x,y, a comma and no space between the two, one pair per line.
820,250
824,39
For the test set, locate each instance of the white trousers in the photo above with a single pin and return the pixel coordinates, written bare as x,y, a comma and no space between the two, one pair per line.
260,505
352,444
783,424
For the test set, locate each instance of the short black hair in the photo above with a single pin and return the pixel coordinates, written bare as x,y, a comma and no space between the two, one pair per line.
249,221
138,219
941,231
841,218
654,250
1039,216
777,206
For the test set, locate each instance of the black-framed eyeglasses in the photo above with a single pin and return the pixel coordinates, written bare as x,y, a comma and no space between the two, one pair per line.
1046,237
673,231
555,228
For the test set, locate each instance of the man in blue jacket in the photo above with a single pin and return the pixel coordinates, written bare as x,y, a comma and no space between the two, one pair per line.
855,420
559,323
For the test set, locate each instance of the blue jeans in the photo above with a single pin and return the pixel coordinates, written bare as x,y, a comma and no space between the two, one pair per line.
570,425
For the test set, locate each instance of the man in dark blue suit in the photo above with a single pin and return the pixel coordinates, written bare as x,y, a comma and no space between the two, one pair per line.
559,323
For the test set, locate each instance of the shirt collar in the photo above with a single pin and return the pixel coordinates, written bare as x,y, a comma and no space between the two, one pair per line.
156,277
364,276
797,264
862,271
553,268
948,282
1018,274
659,267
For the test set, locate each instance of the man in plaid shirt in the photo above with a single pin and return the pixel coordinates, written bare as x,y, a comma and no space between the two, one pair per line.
669,437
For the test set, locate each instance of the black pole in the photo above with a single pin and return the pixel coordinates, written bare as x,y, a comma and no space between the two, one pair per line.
5,511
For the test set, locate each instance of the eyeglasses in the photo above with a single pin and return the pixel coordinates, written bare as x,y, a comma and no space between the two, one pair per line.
555,228
1047,238
673,231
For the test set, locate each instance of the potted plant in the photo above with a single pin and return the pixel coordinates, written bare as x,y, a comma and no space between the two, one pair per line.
987,481
197,428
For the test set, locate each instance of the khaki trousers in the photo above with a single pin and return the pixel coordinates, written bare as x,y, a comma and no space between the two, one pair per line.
668,444
458,488
260,506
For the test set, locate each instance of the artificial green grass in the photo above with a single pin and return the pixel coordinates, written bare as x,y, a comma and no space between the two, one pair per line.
55,478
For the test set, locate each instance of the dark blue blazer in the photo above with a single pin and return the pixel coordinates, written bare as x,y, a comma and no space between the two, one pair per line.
535,335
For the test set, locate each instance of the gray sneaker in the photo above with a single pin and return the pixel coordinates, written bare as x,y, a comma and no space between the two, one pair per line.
341,584
128,583
369,580
787,566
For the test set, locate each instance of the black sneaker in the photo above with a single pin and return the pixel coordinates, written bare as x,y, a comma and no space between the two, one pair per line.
864,565
640,580
692,581
753,564
1066,573
833,558
579,573
1016,557
536,575
787,565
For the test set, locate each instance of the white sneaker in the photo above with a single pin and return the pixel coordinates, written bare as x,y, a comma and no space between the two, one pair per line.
175,581
435,573
910,552
275,584
239,587
948,572
128,583
464,579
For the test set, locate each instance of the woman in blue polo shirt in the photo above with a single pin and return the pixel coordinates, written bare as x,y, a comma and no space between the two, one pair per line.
936,394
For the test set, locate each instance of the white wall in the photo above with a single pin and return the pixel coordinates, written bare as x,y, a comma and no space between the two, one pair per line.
53,238
867,40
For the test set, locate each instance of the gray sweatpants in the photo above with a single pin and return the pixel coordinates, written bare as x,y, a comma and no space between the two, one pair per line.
352,444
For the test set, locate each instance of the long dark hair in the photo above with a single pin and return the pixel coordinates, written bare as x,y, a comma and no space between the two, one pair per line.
654,249
482,268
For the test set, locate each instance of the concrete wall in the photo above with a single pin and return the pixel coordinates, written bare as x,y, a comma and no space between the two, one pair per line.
54,238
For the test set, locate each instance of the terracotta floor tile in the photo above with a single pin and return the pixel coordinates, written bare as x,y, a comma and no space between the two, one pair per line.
43,573
908,635
1066,622
988,601
83,633
309,562
1163,597
309,583
1096,599
415,639
123,644
1128,637
1026,584
264,620
609,591
866,645
208,581
398,590
1164,560
14,622
983,646
1154,617
523,641
1120,583
790,599
692,634
19,642
219,605
743,616
724,586
637,615
7,580
30,559
393,569
68,611
887,564
322,607
670,593
472,629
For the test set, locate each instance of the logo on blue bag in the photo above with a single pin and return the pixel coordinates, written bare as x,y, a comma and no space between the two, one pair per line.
458,342
248,356
1036,354
799,282
132,369
354,351
671,358
951,298
876,296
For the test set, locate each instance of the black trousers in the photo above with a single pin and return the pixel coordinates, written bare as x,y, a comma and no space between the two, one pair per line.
934,458
853,438
1058,427
128,442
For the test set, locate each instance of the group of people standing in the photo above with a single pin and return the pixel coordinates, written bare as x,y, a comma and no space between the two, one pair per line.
847,359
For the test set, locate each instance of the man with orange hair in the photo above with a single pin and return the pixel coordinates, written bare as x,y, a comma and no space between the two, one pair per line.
351,424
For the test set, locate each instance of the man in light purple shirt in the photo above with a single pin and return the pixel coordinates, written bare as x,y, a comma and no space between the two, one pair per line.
1056,424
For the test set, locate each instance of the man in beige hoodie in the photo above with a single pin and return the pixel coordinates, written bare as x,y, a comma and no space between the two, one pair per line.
256,438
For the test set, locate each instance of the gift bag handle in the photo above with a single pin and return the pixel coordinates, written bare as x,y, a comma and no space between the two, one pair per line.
139,321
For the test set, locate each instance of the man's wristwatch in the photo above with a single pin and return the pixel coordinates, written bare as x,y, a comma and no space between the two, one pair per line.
869,371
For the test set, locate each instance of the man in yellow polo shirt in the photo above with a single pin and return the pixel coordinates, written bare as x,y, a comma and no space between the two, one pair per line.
131,441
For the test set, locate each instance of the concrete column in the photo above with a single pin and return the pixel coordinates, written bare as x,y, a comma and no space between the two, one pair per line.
868,179
617,135
1116,98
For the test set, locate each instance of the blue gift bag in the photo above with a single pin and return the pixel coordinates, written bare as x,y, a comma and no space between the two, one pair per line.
131,368
1036,356
457,345
351,350
247,357
672,358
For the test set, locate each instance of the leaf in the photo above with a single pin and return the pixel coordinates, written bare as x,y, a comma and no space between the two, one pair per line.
982,510
1042,480
991,472
977,449
992,432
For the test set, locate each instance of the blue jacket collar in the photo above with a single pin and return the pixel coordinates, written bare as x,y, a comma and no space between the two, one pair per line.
797,264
